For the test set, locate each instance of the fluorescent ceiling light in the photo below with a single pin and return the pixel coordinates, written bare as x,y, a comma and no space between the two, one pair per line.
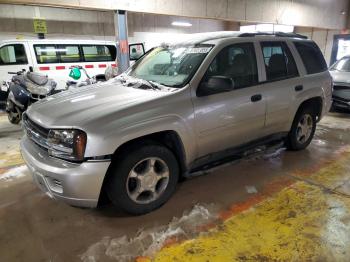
269,28
264,27
186,24
283,28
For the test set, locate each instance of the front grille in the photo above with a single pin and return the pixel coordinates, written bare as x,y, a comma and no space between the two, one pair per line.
35,132
340,99
340,87
37,97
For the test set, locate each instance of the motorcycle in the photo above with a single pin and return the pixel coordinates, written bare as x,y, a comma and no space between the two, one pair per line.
26,88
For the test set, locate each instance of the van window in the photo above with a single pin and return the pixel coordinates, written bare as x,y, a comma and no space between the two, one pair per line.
279,62
13,55
46,54
69,53
312,57
99,53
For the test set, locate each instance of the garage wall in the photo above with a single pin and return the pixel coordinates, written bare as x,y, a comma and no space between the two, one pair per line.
311,13
17,21
155,29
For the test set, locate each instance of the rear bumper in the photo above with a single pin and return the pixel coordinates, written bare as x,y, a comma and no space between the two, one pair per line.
75,184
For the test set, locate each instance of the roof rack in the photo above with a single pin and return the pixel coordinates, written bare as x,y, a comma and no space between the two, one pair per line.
279,34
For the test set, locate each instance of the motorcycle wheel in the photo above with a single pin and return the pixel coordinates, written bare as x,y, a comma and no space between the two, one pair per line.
14,114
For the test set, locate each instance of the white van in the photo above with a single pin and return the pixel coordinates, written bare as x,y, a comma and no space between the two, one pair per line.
55,57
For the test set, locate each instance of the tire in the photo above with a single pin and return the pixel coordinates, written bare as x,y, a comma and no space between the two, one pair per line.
295,140
14,114
133,183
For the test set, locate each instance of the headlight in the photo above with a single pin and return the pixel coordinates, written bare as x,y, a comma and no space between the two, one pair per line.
67,144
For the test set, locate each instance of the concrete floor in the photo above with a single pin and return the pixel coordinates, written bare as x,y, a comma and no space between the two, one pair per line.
274,205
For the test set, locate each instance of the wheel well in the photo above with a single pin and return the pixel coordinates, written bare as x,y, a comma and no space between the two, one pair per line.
315,103
169,139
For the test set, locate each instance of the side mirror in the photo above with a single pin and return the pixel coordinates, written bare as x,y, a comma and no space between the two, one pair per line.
136,51
215,85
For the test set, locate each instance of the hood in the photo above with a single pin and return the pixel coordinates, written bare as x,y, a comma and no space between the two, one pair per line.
340,76
81,106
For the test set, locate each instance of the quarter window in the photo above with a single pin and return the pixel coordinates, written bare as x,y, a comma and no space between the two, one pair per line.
237,62
99,53
279,62
312,57
13,55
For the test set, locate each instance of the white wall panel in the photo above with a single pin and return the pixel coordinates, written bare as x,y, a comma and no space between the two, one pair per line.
313,13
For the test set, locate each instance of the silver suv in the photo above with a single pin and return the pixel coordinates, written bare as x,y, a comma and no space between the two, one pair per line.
179,108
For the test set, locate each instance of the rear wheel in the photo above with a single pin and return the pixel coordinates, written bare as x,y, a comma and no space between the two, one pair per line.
143,179
303,129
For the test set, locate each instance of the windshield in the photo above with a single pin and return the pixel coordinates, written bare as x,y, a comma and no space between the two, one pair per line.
170,66
342,65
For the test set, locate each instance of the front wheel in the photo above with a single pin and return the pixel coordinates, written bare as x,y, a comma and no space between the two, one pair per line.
14,114
143,179
303,129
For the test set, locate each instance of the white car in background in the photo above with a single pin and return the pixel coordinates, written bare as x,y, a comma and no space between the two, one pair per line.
55,57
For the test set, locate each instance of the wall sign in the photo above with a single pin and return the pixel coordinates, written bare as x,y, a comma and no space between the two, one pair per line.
40,26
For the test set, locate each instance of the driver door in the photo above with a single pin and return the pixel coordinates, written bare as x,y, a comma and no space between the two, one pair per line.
232,118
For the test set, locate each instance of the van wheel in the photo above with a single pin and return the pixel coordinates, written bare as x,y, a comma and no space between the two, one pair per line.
143,179
303,129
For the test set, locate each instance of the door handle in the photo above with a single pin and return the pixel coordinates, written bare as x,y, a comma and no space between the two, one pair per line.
299,88
256,98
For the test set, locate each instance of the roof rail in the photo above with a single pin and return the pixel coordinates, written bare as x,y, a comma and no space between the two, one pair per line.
279,34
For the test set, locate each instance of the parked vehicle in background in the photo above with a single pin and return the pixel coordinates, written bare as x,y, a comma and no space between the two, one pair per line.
25,89
340,72
180,108
55,57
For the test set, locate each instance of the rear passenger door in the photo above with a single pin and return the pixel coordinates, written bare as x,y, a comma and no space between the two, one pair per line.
282,82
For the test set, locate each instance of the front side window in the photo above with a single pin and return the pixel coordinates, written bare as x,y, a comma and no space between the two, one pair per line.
46,54
99,53
236,62
170,66
13,55
279,62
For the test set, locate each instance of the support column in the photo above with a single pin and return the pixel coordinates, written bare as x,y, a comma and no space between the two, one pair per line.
121,32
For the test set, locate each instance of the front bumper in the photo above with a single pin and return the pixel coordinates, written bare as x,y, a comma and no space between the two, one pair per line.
75,184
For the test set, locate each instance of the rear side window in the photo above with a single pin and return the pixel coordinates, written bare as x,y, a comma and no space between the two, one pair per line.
312,57
13,55
279,62
99,53
69,53
46,54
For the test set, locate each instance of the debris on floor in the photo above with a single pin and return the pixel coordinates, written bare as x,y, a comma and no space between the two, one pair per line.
13,173
251,189
149,241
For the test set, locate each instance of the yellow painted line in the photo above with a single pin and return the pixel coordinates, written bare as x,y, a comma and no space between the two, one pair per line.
302,222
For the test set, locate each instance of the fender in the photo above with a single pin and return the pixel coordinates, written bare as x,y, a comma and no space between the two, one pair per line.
114,139
20,96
